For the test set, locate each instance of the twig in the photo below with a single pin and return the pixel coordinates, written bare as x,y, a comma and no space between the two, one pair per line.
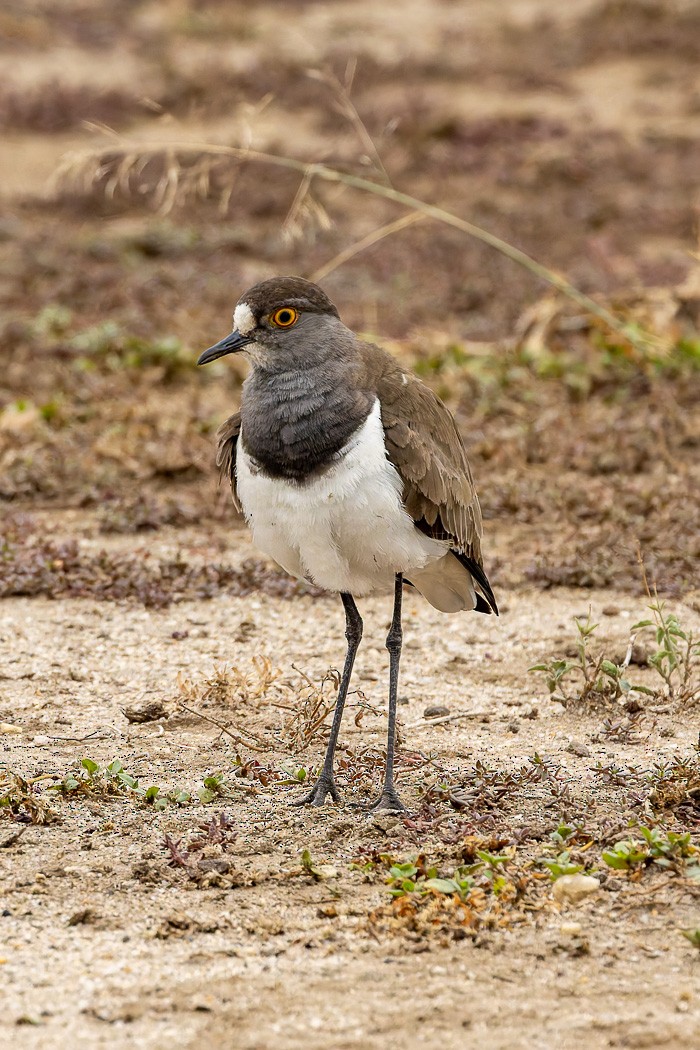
96,734
260,745
77,166
643,892
366,242
446,718
14,837
346,107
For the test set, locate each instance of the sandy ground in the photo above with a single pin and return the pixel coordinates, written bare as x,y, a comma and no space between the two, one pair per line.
101,939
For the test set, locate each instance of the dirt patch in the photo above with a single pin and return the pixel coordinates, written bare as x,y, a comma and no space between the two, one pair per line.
166,919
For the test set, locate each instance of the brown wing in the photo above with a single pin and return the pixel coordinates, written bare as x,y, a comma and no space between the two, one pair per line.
423,443
227,435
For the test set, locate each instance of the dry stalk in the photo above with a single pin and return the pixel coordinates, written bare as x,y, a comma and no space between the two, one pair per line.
410,219
239,736
341,92
115,169
309,713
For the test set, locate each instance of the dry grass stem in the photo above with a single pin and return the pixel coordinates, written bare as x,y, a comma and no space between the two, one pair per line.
114,170
374,237
346,108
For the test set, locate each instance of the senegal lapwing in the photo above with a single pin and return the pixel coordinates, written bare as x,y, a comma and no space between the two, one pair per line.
351,474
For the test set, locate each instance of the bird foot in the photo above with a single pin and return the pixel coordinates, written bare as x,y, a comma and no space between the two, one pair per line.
324,786
388,802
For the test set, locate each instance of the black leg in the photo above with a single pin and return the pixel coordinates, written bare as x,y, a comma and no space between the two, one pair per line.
389,799
325,785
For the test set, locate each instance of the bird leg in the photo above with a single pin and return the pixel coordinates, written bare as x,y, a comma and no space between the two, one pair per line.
389,798
325,785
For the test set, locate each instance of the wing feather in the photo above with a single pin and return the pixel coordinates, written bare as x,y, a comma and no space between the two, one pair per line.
424,445
227,435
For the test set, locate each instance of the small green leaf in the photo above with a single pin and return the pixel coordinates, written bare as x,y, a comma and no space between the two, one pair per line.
441,885
402,871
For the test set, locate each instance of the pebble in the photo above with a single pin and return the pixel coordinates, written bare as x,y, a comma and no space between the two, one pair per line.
575,888
385,821
436,711
148,711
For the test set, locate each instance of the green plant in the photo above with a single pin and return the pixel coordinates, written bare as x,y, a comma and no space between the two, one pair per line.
213,787
89,778
109,344
402,879
461,884
625,854
52,320
405,879
561,865
416,876
667,850
561,862
598,676
294,773
677,659
318,872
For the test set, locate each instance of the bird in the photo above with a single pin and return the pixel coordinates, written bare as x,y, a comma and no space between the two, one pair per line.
351,474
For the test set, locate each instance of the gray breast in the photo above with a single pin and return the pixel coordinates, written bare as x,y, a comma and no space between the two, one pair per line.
294,424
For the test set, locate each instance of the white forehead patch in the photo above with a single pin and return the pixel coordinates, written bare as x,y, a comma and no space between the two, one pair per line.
243,320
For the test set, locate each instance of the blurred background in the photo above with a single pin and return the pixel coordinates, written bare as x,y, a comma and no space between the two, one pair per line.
570,131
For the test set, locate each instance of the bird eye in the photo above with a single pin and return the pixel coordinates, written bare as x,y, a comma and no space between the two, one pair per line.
285,317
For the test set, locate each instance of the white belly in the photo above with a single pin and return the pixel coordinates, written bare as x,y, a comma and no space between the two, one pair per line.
345,530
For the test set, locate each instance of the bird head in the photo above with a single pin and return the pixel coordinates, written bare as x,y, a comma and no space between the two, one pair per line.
283,324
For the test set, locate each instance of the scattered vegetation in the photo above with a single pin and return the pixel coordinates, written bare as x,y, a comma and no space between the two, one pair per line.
666,849
565,858
20,800
92,780
434,898
589,678
599,678
677,659
202,855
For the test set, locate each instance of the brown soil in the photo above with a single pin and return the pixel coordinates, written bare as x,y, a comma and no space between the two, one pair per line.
129,589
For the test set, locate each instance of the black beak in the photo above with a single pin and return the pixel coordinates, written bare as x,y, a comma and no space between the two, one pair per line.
229,345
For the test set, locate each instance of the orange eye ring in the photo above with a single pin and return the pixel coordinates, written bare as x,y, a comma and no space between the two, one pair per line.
284,317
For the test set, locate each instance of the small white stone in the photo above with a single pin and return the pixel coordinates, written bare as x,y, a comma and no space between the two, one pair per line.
575,888
10,728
